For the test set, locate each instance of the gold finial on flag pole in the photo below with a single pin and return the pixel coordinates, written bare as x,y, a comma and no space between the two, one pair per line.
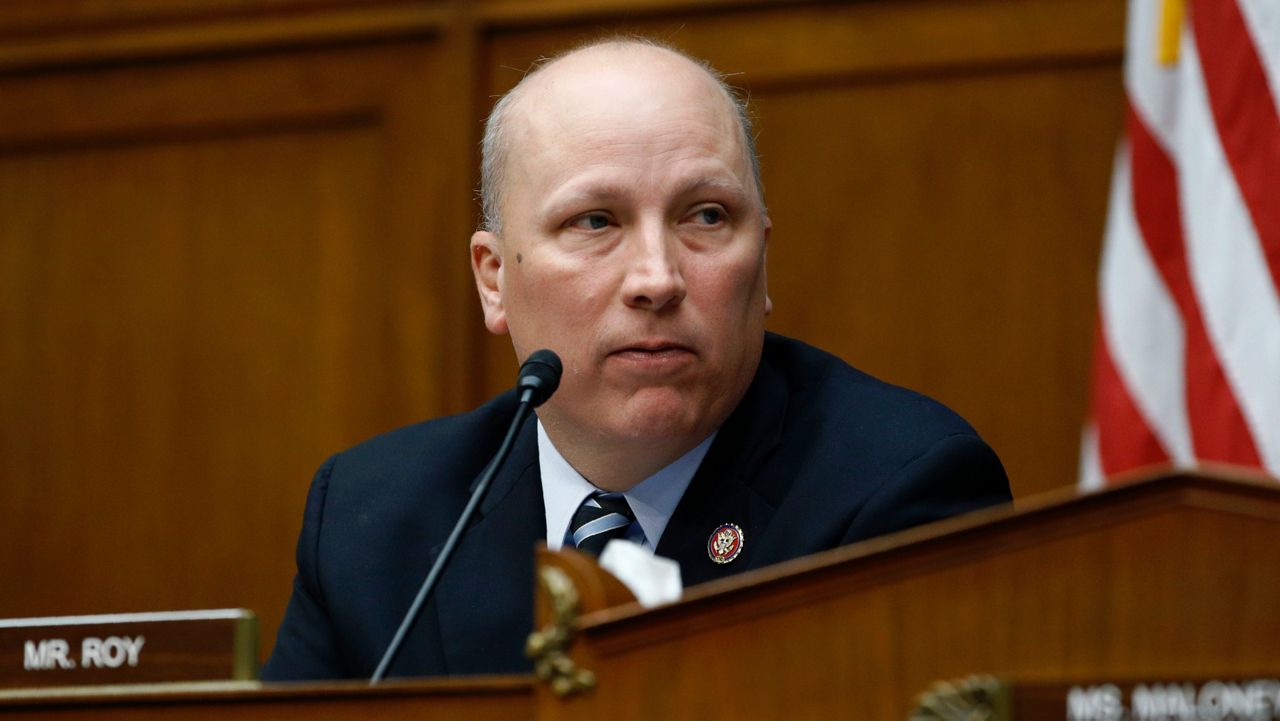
1170,31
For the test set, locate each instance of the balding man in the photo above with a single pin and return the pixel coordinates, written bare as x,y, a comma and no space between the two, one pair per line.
625,229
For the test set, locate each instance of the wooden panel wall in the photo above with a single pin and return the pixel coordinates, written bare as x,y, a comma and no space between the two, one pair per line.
233,232
224,255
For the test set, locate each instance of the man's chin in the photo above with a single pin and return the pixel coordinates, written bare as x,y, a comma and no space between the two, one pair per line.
662,419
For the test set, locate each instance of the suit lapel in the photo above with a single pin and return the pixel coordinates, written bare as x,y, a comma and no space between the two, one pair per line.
483,606
484,603
726,488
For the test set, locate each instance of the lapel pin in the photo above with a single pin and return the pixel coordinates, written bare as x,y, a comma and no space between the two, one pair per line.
725,543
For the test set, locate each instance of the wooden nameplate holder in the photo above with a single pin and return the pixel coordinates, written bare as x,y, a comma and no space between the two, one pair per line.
129,648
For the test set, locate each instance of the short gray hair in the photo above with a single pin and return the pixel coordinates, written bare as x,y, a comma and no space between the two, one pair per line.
496,145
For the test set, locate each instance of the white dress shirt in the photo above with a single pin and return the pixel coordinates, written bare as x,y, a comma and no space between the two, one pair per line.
653,500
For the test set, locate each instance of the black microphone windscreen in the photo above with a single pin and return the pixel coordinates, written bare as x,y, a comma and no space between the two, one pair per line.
540,376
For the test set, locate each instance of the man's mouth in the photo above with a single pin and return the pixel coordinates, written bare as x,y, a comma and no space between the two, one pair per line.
655,346
655,353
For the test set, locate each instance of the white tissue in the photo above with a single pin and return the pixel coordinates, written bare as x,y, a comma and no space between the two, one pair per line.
653,579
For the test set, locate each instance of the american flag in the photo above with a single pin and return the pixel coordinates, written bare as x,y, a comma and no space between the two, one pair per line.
1187,355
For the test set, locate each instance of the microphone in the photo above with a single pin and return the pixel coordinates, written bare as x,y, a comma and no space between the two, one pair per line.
538,379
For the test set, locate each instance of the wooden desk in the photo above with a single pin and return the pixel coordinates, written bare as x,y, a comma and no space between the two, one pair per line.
481,699
1173,578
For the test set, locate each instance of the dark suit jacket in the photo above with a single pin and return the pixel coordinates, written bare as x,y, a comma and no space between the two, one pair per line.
816,455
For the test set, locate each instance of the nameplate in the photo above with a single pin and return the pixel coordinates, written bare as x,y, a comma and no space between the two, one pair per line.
129,648
1225,698
1207,699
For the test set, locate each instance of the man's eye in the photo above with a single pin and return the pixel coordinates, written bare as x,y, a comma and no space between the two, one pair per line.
709,216
590,221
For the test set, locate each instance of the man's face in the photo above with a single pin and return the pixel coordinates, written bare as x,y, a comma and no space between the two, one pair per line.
632,245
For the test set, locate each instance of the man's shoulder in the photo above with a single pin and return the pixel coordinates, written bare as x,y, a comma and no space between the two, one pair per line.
440,447
858,457
824,389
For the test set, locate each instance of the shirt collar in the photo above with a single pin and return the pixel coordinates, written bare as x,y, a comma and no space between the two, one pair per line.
653,500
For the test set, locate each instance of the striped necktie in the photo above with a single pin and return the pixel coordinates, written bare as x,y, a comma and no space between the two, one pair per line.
601,518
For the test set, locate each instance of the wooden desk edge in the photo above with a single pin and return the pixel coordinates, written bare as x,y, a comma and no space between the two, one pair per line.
1153,487
257,691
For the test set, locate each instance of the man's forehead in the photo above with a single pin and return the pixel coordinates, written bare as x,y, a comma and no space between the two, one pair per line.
648,117
607,61
616,83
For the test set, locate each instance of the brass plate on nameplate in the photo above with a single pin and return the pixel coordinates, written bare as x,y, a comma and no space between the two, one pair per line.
129,648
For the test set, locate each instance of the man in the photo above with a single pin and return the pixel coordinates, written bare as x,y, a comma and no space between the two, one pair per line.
625,230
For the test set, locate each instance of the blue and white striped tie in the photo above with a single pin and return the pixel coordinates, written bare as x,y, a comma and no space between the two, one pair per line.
601,518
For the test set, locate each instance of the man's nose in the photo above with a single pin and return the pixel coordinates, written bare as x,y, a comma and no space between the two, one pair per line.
653,280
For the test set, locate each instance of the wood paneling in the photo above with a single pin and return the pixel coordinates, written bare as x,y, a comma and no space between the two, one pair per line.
63,33
213,273
233,241
954,237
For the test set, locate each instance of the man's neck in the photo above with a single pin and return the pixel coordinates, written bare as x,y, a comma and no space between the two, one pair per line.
620,465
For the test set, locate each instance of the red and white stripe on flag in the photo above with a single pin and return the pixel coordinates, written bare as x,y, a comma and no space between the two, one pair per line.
1187,354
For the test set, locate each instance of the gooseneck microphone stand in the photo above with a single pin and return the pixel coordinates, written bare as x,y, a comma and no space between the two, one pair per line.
539,378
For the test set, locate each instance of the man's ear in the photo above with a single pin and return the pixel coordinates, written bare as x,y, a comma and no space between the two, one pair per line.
486,265
764,265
